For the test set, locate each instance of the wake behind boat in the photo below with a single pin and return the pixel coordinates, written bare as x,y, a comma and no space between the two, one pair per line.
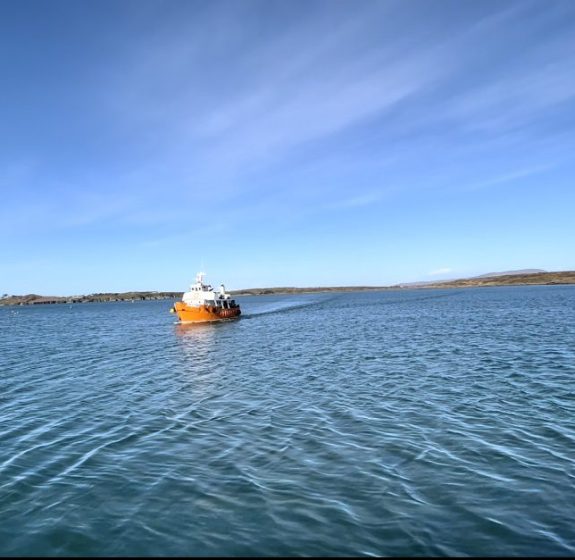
203,304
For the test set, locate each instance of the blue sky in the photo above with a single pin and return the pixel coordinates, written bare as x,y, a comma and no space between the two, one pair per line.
283,143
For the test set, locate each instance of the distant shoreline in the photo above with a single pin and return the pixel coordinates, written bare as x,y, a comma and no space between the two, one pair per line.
536,279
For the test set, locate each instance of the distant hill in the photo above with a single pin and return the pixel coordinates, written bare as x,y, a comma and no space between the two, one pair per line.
424,283
311,290
515,279
509,278
511,273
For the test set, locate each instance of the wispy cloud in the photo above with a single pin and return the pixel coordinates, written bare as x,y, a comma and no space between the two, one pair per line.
358,201
519,98
276,95
440,271
225,116
510,176
534,78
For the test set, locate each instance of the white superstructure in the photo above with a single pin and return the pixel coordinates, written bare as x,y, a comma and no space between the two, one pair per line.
204,294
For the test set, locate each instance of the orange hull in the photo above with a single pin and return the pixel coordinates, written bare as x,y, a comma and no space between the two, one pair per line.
204,313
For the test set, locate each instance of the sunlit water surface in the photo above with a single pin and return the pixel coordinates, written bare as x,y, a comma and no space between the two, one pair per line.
403,423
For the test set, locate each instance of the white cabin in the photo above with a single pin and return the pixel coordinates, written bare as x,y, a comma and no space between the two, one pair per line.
204,294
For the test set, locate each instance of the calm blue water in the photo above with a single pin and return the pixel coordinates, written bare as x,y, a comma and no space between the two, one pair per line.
403,423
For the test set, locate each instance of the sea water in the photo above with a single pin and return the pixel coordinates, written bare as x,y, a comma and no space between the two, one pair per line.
402,423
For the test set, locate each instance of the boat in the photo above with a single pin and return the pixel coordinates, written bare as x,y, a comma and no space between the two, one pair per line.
202,304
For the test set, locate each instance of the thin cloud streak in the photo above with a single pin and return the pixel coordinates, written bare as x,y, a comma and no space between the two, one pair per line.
510,177
293,97
439,271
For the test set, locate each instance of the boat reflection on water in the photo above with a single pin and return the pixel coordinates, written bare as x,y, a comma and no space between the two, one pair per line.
198,342
197,339
195,330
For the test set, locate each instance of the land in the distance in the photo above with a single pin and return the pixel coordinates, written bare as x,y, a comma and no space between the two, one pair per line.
531,279
518,278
